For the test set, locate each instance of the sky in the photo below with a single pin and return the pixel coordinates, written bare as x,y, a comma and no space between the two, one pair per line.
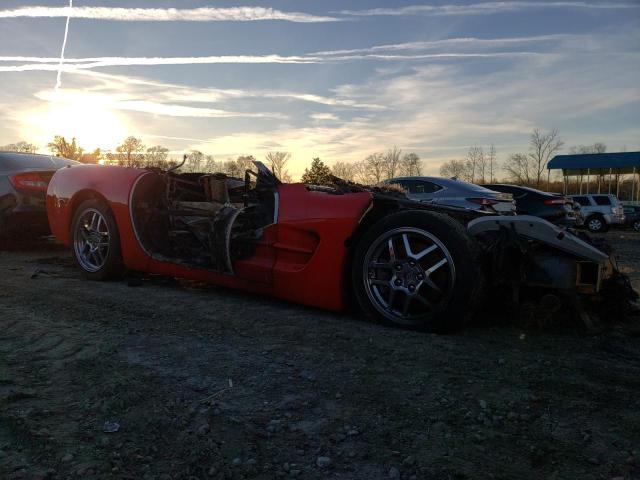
334,79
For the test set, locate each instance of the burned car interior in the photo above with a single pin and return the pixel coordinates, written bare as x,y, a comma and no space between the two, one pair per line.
203,220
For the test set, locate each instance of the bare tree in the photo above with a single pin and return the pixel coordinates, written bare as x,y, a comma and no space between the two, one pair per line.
237,168
344,170
60,147
128,154
597,147
475,164
542,147
194,162
491,160
392,161
157,156
278,162
21,147
373,169
410,165
455,169
210,164
520,169
245,162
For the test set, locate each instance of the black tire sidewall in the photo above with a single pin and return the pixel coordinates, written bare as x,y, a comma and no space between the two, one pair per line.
113,267
464,253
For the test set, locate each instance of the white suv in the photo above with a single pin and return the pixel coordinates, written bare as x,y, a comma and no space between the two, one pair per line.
600,211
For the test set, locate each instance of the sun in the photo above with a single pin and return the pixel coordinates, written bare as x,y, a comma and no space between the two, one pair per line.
88,117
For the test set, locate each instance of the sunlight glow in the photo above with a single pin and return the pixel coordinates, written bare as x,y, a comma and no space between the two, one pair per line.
85,116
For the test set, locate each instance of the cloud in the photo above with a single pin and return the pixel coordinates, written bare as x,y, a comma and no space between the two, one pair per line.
205,14
125,102
182,93
484,8
321,117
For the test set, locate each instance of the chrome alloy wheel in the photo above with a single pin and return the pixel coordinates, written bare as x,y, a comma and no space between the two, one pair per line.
409,275
91,240
595,225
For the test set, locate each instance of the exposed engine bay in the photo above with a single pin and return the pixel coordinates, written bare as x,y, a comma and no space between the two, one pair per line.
203,220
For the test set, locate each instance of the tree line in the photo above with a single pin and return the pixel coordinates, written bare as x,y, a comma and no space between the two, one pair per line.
480,165
375,168
133,153
525,168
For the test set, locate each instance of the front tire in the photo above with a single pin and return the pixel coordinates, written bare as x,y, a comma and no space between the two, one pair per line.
636,225
418,270
95,241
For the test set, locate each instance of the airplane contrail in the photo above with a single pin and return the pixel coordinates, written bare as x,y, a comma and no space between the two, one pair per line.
75,64
64,46
204,14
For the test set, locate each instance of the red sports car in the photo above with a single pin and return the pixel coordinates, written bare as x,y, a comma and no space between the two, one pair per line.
399,261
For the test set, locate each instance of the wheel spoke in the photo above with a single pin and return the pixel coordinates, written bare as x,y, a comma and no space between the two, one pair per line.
407,246
380,283
426,251
94,221
392,253
442,262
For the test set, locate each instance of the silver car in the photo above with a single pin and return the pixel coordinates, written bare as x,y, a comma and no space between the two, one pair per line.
455,193
600,211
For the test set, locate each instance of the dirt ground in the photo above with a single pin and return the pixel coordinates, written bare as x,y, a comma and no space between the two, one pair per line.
169,380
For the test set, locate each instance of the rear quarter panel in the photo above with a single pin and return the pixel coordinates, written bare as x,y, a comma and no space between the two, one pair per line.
69,187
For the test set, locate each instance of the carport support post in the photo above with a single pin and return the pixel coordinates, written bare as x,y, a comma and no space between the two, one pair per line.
580,179
588,179
618,184
599,178
609,181
548,179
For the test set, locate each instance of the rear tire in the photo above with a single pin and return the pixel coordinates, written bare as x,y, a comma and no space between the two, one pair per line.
95,241
596,224
418,270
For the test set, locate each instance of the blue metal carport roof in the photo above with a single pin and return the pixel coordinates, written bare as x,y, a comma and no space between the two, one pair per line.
623,162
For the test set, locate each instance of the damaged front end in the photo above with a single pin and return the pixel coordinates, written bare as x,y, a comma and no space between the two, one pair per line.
540,270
